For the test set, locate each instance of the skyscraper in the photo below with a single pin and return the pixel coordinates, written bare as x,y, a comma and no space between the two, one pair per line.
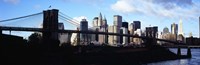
174,30
118,20
137,25
95,22
100,20
111,37
181,27
199,27
83,27
131,31
117,25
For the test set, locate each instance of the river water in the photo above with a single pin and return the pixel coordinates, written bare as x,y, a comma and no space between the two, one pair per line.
195,60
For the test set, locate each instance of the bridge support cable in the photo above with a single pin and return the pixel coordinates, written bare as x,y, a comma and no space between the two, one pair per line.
62,14
21,17
69,20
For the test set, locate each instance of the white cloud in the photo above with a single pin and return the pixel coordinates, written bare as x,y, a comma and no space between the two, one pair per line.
123,6
159,8
12,1
79,18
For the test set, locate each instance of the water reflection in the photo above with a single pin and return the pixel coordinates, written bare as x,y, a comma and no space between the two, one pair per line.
195,60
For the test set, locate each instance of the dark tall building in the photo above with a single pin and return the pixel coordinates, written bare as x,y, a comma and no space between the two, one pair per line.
125,24
137,25
84,27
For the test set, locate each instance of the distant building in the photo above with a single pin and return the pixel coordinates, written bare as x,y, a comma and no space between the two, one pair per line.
63,37
181,27
118,20
117,25
180,38
100,20
193,40
174,29
137,41
165,30
95,22
124,38
84,27
137,25
111,37
131,31
125,24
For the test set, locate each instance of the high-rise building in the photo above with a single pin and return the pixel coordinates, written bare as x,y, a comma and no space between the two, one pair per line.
137,25
181,27
199,27
100,20
131,31
124,38
110,37
174,30
124,30
95,22
118,20
117,25
125,24
83,27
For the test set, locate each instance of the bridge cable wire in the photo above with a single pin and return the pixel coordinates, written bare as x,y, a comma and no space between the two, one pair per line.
20,17
68,17
69,20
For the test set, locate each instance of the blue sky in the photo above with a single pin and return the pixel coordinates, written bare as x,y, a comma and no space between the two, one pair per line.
161,13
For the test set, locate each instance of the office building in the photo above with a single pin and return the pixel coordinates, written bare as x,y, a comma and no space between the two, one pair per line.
137,25
117,25
95,22
181,27
174,30
131,31
124,39
83,27
111,37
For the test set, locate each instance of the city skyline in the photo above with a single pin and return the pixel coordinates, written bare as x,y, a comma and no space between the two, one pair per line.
163,17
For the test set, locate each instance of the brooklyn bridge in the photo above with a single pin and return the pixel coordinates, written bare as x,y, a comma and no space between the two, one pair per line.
49,50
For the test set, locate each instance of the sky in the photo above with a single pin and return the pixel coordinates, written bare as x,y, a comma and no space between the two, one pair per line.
161,13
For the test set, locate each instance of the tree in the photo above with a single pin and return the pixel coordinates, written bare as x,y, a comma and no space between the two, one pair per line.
34,39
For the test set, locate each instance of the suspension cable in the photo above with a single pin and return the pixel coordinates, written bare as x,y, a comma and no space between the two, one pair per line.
20,17
70,21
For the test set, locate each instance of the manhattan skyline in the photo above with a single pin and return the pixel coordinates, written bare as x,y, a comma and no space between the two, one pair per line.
150,12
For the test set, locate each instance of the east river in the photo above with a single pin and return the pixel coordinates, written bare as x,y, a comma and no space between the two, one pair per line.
195,60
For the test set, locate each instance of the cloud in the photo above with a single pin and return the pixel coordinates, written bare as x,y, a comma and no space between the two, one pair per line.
159,8
12,1
79,18
170,4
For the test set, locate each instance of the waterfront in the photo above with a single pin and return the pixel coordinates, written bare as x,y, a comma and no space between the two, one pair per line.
192,61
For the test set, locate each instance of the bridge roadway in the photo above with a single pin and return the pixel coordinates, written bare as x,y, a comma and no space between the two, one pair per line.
76,31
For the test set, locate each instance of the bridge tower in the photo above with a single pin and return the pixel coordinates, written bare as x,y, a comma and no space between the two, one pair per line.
50,25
